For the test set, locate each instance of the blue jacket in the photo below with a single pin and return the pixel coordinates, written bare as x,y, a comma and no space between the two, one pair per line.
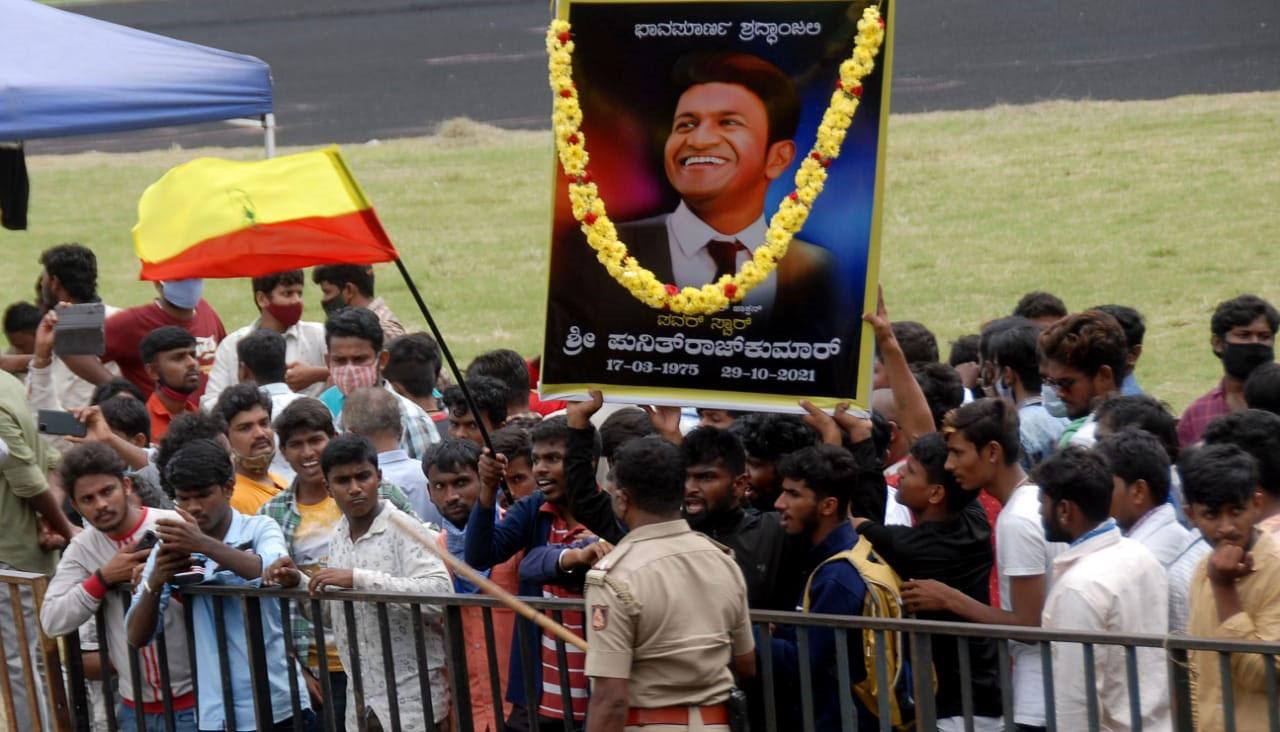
835,589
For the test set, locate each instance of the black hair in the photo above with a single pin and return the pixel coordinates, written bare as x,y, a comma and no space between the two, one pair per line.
76,267
452,455
508,367
1262,389
1130,320
770,436
1036,305
413,362
346,449
127,416
513,442
621,427
918,343
1218,475
114,388
22,317
263,353
1015,347
1141,412
489,395
186,428
828,471
354,323
881,434
239,398
1086,342
1257,433
340,275
984,421
930,450
767,82
162,339
1134,455
998,326
964,349
1242,310
301,414
942,386
649,471
89,458
268,283
709,445
1078,475
556,429
197,465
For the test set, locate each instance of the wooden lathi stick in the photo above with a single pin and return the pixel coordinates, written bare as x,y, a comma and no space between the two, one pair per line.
464,570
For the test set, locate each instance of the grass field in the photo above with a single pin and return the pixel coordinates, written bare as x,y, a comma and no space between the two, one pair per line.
1168,206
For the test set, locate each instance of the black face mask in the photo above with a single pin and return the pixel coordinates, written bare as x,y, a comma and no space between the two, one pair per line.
333,304
1240,359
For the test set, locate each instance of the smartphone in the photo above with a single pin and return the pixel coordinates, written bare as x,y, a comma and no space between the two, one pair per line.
148,540
53,422
80,330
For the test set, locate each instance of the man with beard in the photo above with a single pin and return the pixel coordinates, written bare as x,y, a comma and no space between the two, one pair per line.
102,557
169,355
1083,358
247,412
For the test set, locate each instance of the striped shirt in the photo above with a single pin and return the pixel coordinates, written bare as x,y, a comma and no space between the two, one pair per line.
552,702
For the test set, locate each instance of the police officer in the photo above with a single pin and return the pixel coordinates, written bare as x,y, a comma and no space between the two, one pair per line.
667,608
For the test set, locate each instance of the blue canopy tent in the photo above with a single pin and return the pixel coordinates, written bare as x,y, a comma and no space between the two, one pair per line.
67,74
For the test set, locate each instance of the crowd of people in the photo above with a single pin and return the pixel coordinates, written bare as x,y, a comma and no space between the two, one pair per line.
1028,480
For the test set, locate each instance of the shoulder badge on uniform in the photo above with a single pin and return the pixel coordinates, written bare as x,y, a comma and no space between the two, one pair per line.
599,617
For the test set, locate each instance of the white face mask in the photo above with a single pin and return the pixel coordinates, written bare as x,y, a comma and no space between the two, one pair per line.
1052,404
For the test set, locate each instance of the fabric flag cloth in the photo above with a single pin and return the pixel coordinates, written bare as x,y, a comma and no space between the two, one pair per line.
222,218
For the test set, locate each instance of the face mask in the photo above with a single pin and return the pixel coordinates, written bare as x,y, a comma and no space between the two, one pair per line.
1052,404
351,377
173,394
1240,359
286,314
333,304
253,463
184,294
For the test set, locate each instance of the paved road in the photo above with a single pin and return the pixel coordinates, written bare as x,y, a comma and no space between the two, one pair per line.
352,70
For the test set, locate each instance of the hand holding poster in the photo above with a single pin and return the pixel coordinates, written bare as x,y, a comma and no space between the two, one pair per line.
747,200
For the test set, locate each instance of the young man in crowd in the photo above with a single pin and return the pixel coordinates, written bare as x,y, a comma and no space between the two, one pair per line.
1135,331
964,358
490,397
1083,358
1103,583
1257,433
247,412
721,419
1262,390
983,441
374,414
622,426
1243,338
307,515
262,363
513,443
234,549
1140,493
542,519
1235,593
766,438
102,558
181,304
356,359
453,467
169,355
1012,352
1044,308
351,286
278,298
370,552
510,368
413,371
69,273
20,322
950,542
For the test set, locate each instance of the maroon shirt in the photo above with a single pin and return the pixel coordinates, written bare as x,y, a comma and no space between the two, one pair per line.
1200,413
126,329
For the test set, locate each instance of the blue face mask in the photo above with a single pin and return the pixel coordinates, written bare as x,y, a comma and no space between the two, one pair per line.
183,294
1052,404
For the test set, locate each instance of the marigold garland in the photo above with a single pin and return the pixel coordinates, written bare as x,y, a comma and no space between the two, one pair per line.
589,208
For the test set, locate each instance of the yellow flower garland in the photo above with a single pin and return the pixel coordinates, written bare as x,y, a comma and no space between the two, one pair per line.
589,209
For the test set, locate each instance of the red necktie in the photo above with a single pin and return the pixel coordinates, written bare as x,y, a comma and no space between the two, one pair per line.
725,255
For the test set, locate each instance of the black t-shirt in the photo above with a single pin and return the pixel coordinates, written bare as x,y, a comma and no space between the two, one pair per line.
956,553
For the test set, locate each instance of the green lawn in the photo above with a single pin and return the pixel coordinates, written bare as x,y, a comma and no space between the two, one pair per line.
1168,206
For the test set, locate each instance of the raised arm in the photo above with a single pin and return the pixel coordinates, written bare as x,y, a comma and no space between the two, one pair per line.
914,417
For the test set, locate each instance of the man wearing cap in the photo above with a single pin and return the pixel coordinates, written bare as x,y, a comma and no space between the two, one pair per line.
667,608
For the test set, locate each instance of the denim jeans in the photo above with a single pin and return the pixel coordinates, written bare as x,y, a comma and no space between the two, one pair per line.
126,721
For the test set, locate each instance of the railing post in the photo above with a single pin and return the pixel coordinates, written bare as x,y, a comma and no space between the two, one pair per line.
77,692
922,681
47,648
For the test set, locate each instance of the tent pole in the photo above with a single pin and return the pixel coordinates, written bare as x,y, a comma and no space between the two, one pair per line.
269,133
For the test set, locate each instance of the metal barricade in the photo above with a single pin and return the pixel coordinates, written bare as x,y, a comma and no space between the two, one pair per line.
25,644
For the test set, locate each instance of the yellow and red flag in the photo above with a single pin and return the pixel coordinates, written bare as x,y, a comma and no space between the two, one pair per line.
222,218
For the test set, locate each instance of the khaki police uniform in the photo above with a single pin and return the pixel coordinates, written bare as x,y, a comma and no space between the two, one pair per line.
667,610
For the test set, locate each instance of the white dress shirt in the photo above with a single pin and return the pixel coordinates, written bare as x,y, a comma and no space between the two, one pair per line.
1106,583
405,473
693,266
303,343
1159,531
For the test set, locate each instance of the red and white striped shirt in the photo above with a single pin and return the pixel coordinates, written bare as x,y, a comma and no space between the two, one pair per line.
552,702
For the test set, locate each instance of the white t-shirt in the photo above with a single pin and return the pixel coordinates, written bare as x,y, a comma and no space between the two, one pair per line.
1022,551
